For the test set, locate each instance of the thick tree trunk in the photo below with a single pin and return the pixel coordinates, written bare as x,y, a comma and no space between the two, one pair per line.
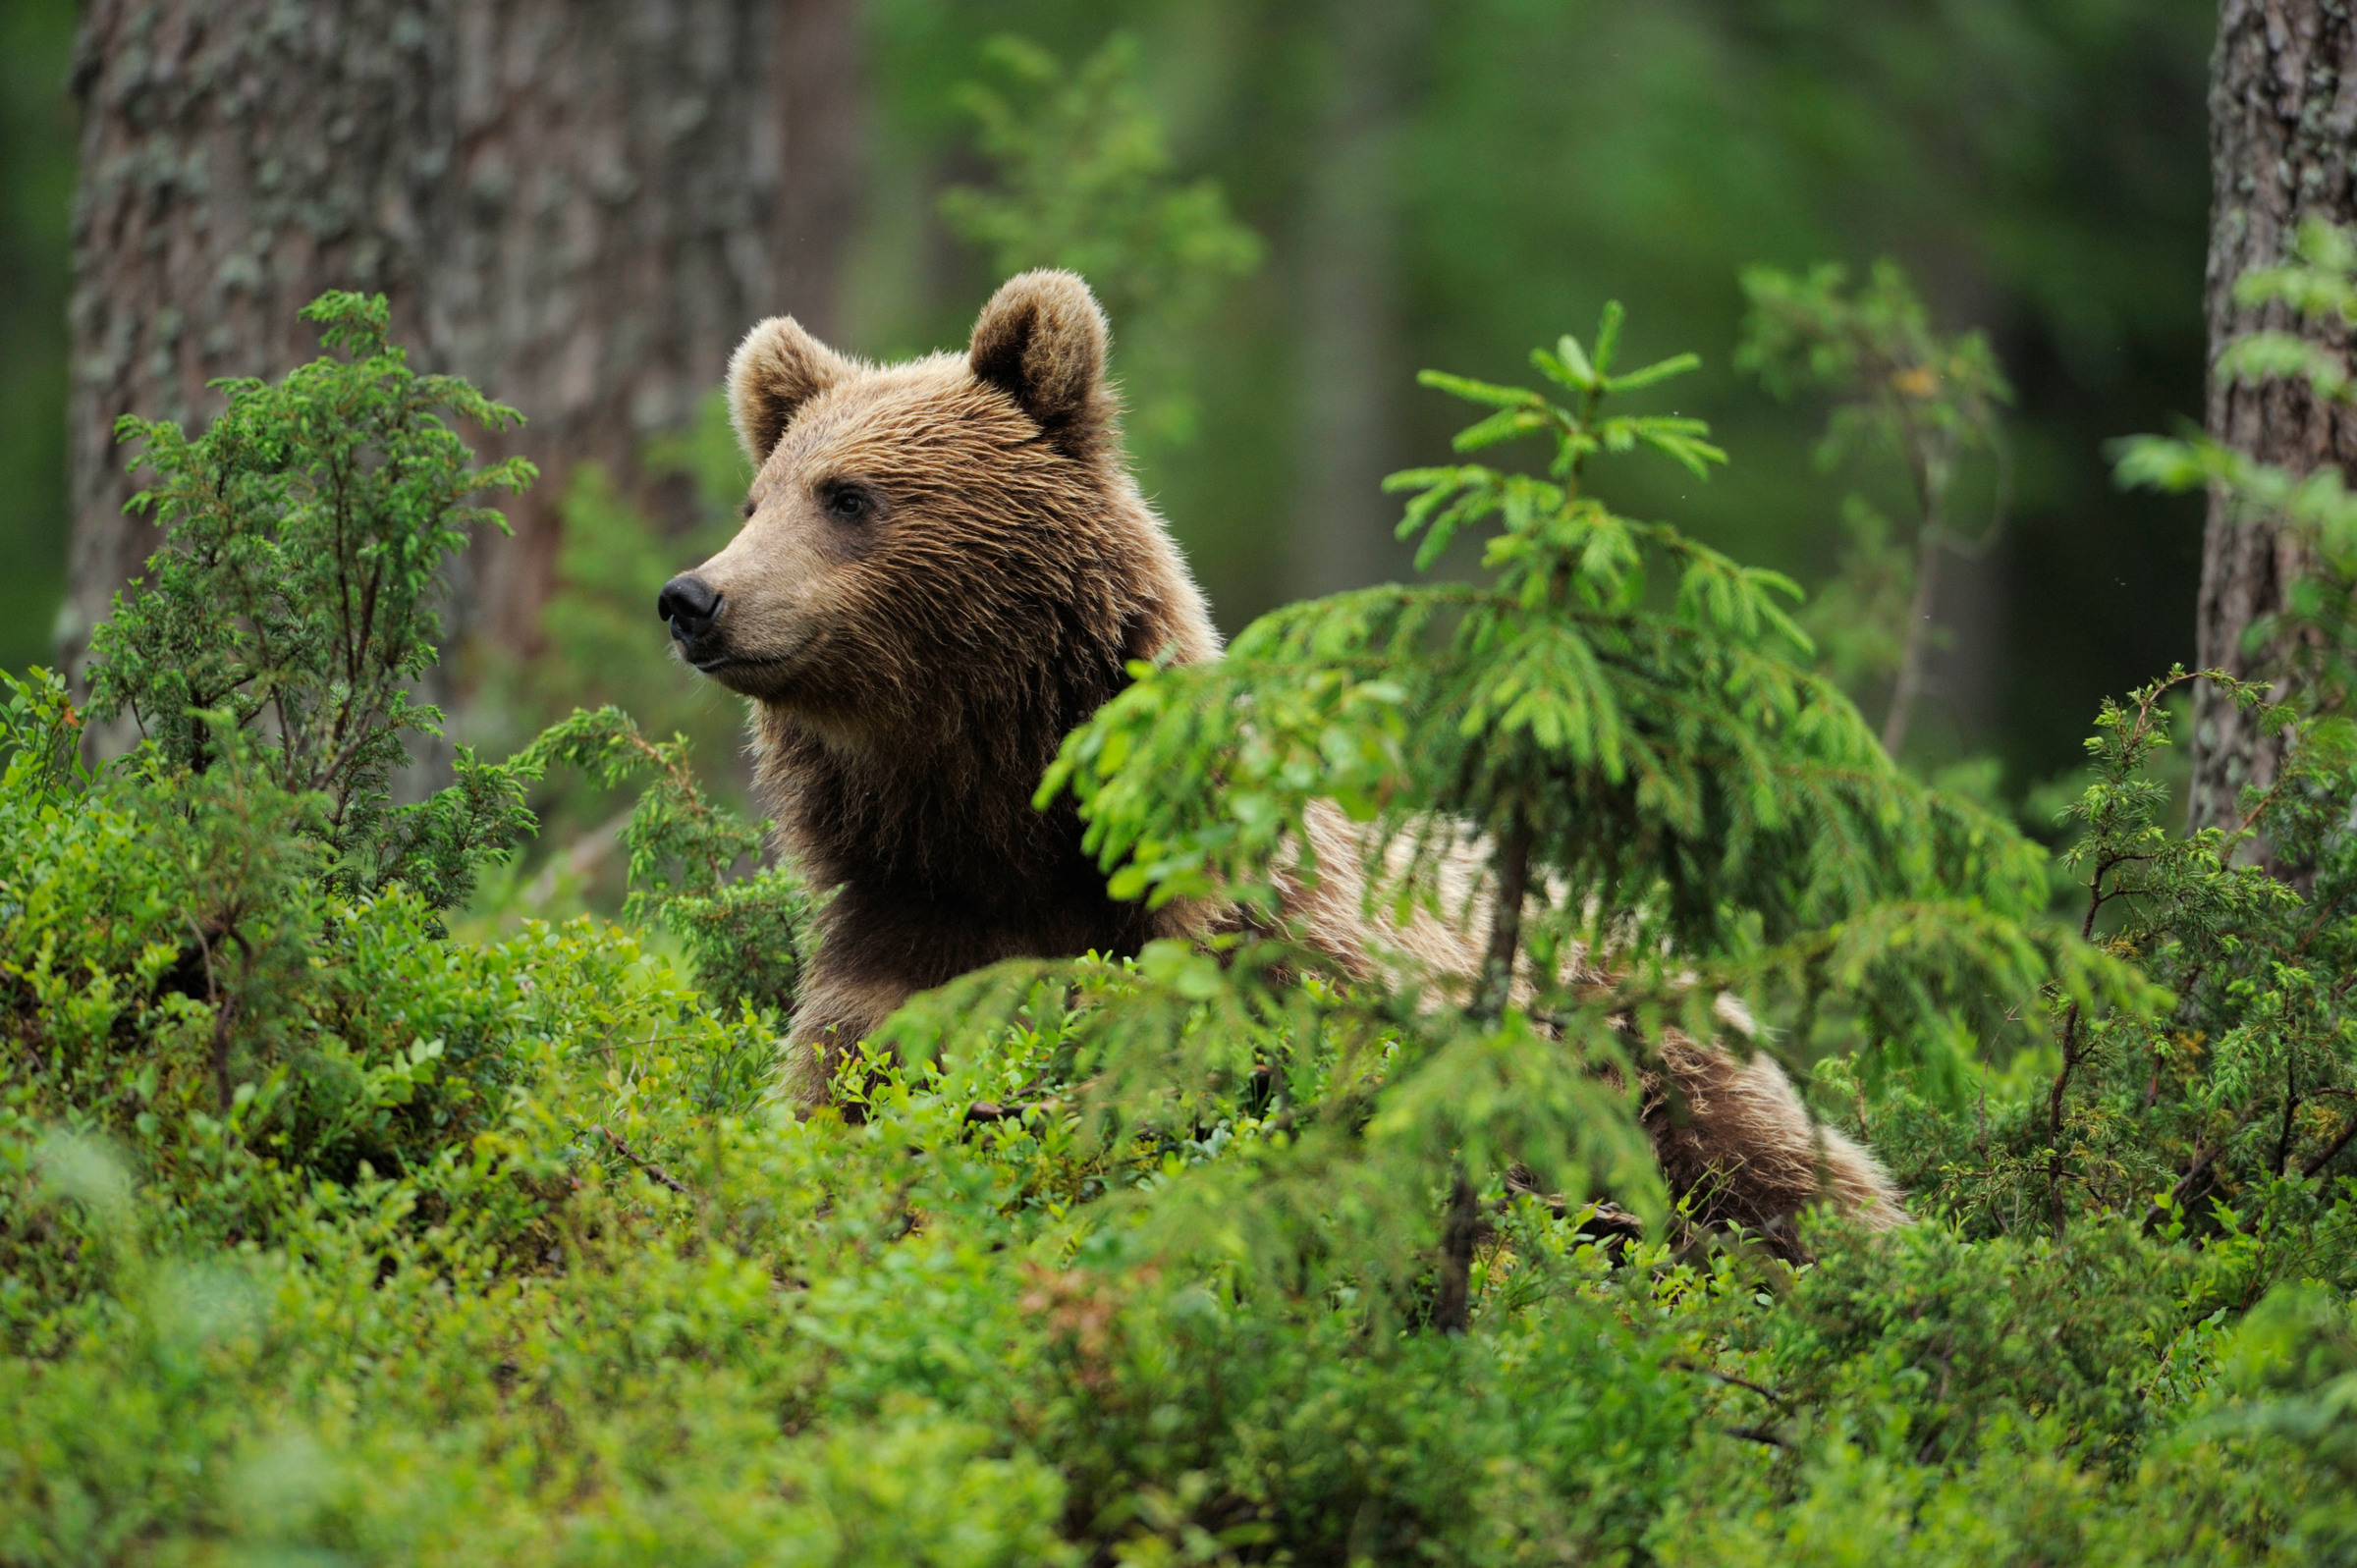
2282,131
578,204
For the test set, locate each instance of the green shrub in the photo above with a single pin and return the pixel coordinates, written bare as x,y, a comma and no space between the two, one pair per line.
307,529
329,1236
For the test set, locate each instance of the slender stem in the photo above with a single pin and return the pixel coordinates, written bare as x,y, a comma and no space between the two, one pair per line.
1505,918
653,1172
2339,1142
2096,899
2183,1188
1452,1304
1930,539
2071,1059
2291,1105
2323,917
220,1005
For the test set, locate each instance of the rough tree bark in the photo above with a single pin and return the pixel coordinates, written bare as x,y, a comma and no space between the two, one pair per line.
579,204
2282,130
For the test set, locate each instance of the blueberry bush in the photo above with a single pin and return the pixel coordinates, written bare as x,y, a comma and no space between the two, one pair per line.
335,1230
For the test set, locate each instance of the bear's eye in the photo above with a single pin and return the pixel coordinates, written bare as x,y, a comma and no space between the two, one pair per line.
748,508
847,503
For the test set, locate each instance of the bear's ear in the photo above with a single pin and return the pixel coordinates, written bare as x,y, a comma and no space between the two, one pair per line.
777,369
1041,340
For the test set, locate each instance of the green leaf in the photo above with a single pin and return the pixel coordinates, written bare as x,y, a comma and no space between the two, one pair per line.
1662,371
1481,391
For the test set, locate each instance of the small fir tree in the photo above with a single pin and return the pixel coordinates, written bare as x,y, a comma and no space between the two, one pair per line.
1902,393
1655,777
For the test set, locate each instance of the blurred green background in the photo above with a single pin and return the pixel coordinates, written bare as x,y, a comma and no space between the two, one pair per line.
1449,182
36,192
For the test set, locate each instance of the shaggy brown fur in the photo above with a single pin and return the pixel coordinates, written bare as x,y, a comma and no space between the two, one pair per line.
946,566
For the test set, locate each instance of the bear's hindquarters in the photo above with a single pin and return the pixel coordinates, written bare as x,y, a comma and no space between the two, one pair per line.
1733,1140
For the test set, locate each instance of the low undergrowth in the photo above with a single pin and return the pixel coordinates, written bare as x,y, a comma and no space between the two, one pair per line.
329,1236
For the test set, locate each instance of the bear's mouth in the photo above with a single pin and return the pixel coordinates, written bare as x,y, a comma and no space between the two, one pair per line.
720,663
751,674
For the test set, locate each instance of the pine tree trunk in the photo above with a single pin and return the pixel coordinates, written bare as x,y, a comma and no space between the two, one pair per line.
2282,131
578,204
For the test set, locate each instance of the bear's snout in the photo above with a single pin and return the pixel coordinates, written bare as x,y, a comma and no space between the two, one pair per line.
691,606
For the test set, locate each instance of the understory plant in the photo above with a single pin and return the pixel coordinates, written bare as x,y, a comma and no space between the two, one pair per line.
329,1235
1675,808
1905,398
293,611
2228,1115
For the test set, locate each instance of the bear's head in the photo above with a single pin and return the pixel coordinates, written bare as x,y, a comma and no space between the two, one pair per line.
931,546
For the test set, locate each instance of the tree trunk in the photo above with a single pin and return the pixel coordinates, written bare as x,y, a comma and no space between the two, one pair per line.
578,204
2282,128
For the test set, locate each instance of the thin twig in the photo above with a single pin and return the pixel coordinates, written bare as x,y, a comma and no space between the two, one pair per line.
1758,1435
988,1111
221,1006
1452,1304
2342,1141
1734,1381
652,1171
2291,1105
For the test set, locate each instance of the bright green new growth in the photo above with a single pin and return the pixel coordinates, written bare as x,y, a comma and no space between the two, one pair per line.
326,1235
307,533
1627,717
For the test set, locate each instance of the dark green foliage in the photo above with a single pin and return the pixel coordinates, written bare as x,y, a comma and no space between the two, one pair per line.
1983,1335
1086,184
305,534
2251,1083
745,938
326,1235
1907,397
1629,716
2226,1116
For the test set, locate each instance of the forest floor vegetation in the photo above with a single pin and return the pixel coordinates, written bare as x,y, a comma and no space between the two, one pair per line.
337,1227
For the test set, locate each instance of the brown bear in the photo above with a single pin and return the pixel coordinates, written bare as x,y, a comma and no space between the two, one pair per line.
944,568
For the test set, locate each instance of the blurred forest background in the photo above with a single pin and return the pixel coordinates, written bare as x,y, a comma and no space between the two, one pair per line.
1405,183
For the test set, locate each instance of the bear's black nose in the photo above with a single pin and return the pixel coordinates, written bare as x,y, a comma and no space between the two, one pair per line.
688,603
